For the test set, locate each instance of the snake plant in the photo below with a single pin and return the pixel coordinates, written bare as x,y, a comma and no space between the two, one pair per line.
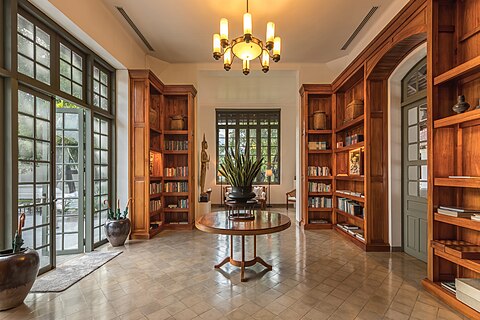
239,169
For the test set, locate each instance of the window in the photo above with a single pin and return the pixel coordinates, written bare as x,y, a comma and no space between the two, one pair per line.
71,72
253,131
101,176
33,50
100,88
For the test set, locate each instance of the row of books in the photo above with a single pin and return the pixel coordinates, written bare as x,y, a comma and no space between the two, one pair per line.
350,207
176,187
176,172
318,145
155,188
176,145
155,205
351,193
183,203
352,139
319,202
353,230
319,187
459,212
318,171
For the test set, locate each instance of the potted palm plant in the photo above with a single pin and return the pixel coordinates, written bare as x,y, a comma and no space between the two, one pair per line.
18,271
239,169
117,226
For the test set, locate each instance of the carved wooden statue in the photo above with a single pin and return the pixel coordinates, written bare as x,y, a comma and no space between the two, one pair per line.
205,159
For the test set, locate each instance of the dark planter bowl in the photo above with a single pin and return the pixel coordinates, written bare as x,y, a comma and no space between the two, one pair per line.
18,272
117,231
241,194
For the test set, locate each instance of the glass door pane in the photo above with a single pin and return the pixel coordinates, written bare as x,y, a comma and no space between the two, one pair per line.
35,172
69,181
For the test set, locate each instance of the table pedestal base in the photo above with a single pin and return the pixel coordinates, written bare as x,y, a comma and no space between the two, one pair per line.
243,263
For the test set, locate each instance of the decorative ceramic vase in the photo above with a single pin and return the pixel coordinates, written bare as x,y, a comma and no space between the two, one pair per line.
117,231
461,105
242,194
177,122
18,272
319,120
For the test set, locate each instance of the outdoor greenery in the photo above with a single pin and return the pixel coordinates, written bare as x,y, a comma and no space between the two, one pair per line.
239,168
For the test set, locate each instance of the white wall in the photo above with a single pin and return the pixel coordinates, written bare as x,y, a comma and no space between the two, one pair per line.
395,143
277,89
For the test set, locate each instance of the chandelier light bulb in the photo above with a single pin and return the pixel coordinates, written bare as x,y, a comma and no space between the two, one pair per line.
276,49
216,46
270,34
227,59
224,30
265,61
247,24
246,67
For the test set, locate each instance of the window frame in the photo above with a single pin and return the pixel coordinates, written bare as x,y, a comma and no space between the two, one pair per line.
259,127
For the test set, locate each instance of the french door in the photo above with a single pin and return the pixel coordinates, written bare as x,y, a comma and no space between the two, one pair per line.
70,177
35,179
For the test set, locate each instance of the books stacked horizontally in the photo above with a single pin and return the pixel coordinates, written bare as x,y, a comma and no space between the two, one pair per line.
352,229
475,217
352,193
458,212
319,221
468,291
449,285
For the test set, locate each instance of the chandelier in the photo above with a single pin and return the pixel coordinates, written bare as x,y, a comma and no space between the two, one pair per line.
246,47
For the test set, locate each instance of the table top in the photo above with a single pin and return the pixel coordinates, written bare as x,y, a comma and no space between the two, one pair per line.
265,222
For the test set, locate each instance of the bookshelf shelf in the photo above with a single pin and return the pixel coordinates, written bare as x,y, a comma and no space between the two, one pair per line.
461,222
350,216
473,265
320,177
350,147
462,70
316,225
348,196
458,182
185,152
155,195
350,178
156,130
320,132
320,209
175,194
320,151
156,212
320,193
176,132
175,178
152,178
350,124
461,119
170,210
360,243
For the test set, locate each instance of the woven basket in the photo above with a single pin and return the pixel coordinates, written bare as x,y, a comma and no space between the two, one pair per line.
354,109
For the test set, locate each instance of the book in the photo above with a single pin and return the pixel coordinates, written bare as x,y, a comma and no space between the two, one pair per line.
459,209
450,286
454,213
459,177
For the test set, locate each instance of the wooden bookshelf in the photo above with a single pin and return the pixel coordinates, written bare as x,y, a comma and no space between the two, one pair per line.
453,69
151,105
316,98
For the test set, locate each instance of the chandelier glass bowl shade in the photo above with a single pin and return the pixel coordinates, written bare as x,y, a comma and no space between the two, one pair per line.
246,47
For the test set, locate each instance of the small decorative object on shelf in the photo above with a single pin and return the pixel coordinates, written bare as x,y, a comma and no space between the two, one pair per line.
117,226
461,105
355,162
18,270
319,120
339,144
354,109
204,164
177,122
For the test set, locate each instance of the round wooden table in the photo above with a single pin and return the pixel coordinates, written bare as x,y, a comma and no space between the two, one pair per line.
265,222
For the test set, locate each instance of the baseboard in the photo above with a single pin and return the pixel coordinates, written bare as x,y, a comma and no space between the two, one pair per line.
396,249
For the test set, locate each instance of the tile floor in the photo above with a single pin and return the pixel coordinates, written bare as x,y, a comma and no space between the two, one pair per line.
317,275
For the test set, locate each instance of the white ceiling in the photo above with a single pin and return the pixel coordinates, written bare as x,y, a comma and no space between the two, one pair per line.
312,31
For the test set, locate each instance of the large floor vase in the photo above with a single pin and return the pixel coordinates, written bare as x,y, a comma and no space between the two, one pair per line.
242,194
117,231
18,272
